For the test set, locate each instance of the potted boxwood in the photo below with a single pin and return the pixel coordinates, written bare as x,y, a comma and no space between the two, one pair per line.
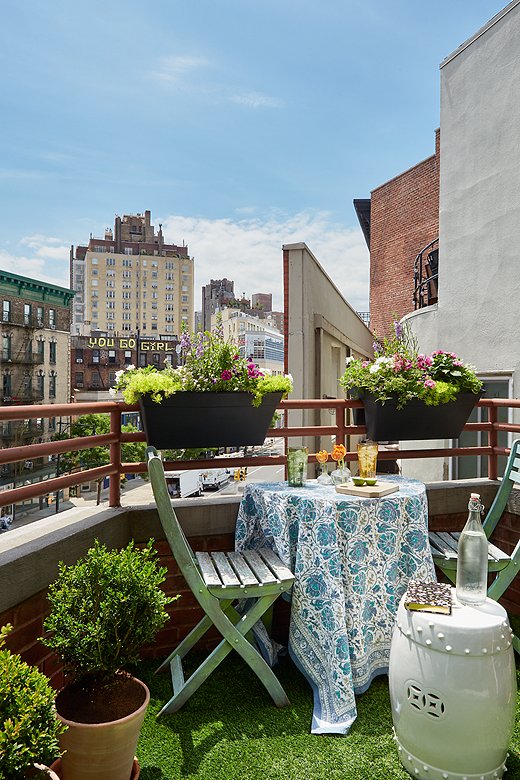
407,395
104,608
29,729
215,398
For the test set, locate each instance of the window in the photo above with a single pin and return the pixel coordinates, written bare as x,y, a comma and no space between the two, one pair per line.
6,347
127,263
52,352
52,423
110,283
39,315
95,282
78,355
94,261
95,293
52,318
27,310
112,378
95,355
6,311
111,356
40,346
40,384
110,326
184,298
128,250
78,379
144,264
96,379
111,261
94,272
128,356
52,385
6,388
127,274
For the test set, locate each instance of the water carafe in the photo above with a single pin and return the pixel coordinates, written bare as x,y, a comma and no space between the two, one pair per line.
472,565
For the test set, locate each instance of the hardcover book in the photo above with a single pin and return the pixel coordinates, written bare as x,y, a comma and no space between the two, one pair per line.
428,597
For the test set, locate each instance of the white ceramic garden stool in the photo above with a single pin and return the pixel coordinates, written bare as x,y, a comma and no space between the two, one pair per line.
453,691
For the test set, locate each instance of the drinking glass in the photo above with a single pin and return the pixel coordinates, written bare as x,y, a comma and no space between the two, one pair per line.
297,466
367,455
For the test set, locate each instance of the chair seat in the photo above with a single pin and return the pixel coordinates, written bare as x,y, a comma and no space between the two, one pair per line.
444,546
238,575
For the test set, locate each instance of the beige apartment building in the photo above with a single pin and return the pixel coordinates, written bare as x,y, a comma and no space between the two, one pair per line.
256,338
132,282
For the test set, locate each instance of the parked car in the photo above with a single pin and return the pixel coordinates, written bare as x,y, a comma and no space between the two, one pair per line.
214,478
182,484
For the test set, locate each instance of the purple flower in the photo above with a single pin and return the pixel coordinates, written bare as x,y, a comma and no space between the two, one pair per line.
398,328
200,345
376,346
185,341
226,374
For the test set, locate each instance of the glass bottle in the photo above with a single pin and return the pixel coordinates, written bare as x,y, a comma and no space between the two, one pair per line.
472,564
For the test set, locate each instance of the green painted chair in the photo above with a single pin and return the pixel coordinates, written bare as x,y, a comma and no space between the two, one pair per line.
503,566
217,580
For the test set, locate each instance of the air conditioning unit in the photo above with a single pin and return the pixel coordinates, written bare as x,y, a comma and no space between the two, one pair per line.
79,360
52,327
28,464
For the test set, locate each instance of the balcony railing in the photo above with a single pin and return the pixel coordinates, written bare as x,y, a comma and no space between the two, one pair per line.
114,468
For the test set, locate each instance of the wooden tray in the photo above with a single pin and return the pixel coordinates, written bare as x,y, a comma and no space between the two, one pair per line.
368,491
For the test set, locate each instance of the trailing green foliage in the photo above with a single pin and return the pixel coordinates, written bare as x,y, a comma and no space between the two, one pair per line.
399,371
29,729
209,365
104,608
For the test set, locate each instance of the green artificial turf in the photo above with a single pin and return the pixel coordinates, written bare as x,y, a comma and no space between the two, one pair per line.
230,730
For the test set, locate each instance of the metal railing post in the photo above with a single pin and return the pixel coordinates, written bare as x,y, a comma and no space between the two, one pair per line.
493,443
114,499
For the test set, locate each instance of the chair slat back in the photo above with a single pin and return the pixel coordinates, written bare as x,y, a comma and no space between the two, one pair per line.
510,478
179,545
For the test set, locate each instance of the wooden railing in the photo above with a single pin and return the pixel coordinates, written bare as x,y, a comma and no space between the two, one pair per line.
339,429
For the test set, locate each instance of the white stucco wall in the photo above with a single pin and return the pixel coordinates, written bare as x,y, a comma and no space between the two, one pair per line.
479,241
323,330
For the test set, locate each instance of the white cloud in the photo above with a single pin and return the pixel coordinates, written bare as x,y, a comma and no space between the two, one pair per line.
249,251
35,268
174,69
256,100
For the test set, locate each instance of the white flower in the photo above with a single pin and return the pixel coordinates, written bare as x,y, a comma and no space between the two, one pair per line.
131,367
383,359
289,376
374,367
113,392
349,360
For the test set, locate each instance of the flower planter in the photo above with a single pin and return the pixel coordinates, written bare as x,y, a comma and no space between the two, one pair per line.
385,422
207,420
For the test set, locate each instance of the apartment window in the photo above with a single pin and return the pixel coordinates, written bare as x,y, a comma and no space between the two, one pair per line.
95,282
110,274
78,355
94,261
6,347
52,385
52,318
52,352
127,295
40,384
112,378
6,311
52,423
39,315
95,355
110,283
111,294
128,356
111,261
127,263
95,293
110,315
110,326
155,264
6,385
111,356
154,295
94,272
94,304
111,305
154,327
40,347
184,270
78,379
169,265
96,379
127,274
154,306
184,298
127,315
27,310
128,250
144,263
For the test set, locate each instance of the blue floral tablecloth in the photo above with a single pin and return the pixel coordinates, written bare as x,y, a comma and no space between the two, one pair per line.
352,558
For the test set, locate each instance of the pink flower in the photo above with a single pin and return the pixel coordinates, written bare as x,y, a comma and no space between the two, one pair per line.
429,383
235,357
365,364
226,374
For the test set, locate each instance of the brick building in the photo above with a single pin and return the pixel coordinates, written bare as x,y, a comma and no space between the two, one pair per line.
403,217
95,360
34,364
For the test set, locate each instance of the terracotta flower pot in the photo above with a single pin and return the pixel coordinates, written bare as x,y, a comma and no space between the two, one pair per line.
98,751
56,771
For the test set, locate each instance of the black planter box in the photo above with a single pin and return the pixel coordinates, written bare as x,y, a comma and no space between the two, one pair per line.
416,420
207,420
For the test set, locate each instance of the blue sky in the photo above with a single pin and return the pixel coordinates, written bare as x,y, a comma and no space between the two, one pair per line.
241,124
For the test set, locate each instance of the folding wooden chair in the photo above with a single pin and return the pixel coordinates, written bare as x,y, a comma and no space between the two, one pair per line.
217,580
505,567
